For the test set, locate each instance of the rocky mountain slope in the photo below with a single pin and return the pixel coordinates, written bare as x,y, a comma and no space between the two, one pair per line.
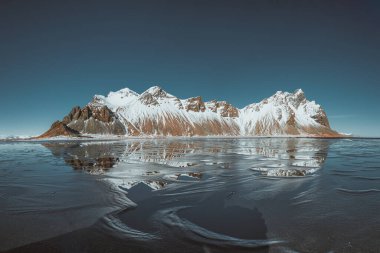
158,113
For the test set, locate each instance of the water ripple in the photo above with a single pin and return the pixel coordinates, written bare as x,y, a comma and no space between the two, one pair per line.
202,235
116,227
358,192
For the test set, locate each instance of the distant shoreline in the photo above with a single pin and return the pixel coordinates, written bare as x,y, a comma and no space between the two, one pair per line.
126,138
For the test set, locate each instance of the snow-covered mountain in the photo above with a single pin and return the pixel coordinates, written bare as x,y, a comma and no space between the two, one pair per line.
158,113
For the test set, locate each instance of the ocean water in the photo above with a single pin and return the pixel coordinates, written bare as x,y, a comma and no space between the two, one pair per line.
191,195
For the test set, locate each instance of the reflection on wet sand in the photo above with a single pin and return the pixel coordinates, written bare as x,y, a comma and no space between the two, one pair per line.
287,154
200,181
90,158
153,163
196,195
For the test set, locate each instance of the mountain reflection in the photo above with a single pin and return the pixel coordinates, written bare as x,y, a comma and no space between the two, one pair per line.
272,157
85,157
209,191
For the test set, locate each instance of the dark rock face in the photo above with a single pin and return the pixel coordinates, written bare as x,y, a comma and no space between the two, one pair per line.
225,108
322,119
95,120
75,113
87,120
148,99
58,128
290,127
101,113
195,104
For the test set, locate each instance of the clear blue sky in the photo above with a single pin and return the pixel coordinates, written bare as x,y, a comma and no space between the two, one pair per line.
57,54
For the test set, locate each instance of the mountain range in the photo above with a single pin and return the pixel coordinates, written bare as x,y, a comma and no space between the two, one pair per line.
155,112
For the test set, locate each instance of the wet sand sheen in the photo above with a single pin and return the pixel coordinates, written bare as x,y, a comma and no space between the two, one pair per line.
216,195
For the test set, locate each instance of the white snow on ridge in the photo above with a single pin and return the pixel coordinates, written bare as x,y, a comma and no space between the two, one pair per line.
116,99
271,114
278,110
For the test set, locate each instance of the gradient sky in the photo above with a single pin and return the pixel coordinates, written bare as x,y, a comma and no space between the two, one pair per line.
57,54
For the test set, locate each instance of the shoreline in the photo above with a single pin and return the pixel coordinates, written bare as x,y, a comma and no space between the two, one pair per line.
126,138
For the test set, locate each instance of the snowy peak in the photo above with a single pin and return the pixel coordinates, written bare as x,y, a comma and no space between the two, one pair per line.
299,92
126,92
114,98
156,112
284,113
157,96
120,94
281,98
295,99
157,92
148,99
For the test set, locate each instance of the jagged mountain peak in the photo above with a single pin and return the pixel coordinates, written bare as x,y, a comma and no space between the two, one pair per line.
294,99
123,92
194,104
148,99
157,91
298,91
223,108
157,96
114,99
156,112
